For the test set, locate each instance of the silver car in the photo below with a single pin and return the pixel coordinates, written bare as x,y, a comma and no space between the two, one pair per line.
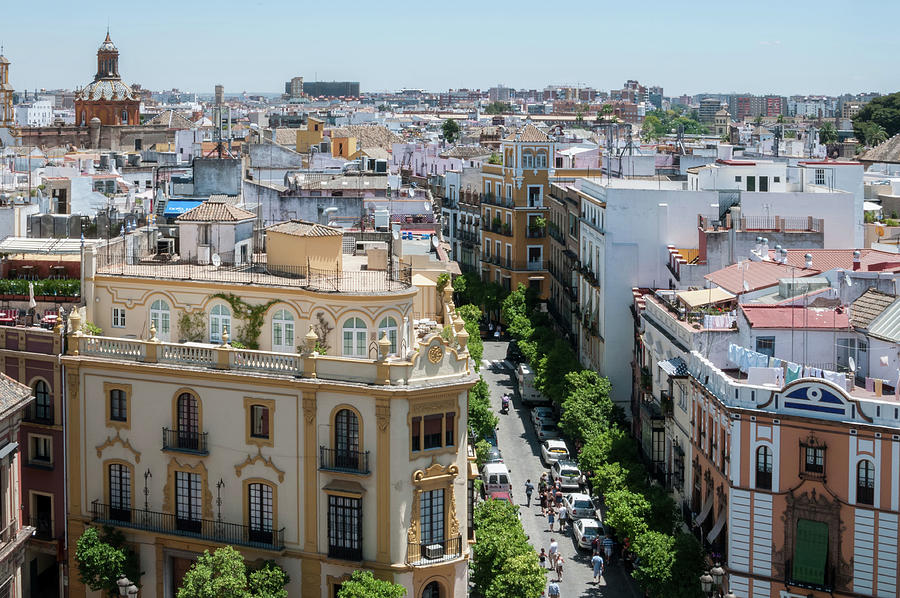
579,505
568,474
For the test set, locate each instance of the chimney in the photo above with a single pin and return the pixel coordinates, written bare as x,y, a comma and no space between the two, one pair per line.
808,257
856,255
765,249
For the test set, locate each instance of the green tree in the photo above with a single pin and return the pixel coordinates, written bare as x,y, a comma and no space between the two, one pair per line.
650,128
498,108
883,111
828,134
99,563
626,511
606,109
780,119
482,419
521,577
657,560
362,584
472,316
495,158
873,134
223,574
450,128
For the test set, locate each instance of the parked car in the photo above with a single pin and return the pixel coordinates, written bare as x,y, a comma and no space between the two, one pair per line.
579,505
513,353
585,530
505,496
493,456
553,450
547,429
539,414
568,474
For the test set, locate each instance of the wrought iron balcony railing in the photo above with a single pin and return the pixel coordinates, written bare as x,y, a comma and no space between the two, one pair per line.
206,529
343,460
185,441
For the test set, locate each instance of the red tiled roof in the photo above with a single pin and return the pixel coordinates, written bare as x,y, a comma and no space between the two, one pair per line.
757,275
735,162
773,316
870,260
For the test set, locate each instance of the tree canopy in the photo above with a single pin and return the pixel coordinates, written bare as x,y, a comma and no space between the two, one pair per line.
450,128
504,564
828,134
362,584
883,111
223,574
499,108
103,557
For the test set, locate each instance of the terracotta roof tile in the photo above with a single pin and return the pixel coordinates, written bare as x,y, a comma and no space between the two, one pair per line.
215,210
870,260
172,120
756,275
528,134
869,306
776,316
302,228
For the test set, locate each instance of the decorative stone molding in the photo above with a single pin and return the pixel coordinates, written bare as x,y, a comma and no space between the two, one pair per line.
112,441
258,457
434,477
169,489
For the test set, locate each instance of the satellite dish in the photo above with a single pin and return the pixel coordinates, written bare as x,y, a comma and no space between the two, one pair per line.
852,365
395,234
216,260
434,241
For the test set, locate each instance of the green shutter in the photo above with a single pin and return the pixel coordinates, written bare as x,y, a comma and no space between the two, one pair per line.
811,551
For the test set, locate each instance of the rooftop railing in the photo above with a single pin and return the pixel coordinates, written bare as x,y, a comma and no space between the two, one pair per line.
257,270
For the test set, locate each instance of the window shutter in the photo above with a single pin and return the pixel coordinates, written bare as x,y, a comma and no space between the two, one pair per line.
811,552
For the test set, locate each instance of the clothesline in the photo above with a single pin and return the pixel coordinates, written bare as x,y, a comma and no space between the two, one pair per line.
763,369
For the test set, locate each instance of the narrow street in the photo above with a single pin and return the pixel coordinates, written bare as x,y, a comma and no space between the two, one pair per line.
521,453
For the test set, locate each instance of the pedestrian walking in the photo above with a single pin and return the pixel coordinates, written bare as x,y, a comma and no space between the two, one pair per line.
554,552
563,516
497,333
597,563
543,558
595,545
608,545
551,517
544,502
558,495
553,590
529,488
559,568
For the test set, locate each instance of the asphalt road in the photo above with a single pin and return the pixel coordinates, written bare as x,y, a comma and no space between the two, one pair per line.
521,453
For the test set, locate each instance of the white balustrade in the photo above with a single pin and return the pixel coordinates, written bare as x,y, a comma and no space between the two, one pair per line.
121,348
187,354
279,363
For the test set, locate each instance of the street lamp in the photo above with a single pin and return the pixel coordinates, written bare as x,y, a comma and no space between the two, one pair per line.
730,594
718,574
126,587
706,582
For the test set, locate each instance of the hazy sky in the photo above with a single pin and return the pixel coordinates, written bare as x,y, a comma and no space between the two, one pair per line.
823,47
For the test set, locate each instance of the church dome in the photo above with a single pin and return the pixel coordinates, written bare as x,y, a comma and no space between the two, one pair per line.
106,89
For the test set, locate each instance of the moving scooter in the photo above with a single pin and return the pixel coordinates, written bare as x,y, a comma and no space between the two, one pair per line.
504,404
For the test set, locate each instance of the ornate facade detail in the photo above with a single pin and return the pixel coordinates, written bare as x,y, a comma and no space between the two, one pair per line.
429,406
309,407
453,522
169,488
435,353
258,457
383,412
112,441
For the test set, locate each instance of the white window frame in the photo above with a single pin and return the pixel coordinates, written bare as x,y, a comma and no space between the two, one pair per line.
219,318
388,324
118,317
161,319
283,331
359,335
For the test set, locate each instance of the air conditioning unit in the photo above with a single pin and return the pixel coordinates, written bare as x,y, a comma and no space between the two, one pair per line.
434,551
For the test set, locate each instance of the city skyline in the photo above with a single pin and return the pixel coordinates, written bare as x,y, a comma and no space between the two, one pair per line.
713,46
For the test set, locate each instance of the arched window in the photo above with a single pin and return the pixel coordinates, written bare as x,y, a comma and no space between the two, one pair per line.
355,333
159,319
188,412
432,590
388,325
43,409
83,118
261,513
124,117
119,492
527,160
346,440
764,468
219,320
283,331
865,482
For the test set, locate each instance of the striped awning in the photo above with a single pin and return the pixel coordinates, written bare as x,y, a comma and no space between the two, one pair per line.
707,507
717,527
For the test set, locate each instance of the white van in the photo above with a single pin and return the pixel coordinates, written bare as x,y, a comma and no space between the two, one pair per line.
496,478
529,394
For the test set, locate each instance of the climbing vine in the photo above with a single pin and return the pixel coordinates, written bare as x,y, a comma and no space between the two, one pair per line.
252,315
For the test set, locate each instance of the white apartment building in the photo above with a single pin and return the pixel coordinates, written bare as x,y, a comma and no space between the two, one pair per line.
38,113
628,226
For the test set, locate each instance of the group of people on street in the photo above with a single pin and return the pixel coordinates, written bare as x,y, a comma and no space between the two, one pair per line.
551,503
